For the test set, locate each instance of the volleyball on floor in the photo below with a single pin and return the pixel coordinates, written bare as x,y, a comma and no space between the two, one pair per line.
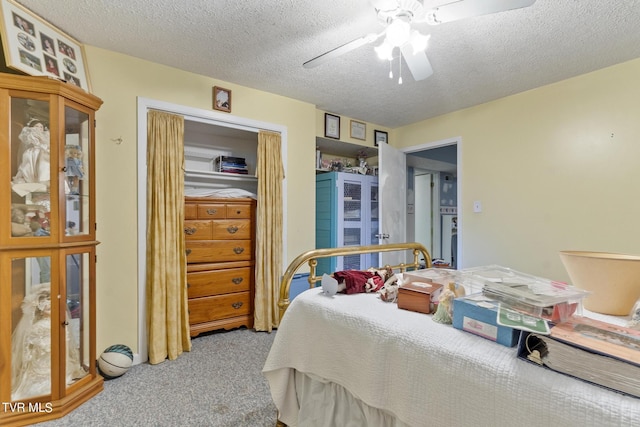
115,360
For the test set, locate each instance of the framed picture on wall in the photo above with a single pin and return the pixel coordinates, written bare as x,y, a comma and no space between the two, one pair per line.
331,126
380,137
221,99
37,48
358,130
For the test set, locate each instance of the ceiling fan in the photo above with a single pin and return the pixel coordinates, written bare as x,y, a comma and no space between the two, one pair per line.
397,17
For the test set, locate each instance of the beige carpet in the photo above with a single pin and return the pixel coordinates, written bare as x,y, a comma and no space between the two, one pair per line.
218,383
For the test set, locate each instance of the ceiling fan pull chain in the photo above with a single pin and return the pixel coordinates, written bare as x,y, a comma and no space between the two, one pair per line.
400,68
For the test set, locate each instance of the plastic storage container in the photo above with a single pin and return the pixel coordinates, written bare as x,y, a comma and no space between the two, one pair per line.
536,296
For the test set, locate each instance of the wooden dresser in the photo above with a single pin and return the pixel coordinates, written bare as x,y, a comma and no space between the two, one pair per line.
220,241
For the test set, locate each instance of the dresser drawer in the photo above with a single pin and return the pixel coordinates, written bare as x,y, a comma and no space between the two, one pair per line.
232,229
238,211
211,210
218,250
207,309
190,211
217,282
198,230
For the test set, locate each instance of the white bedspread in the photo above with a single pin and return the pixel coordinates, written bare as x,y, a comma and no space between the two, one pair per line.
426,373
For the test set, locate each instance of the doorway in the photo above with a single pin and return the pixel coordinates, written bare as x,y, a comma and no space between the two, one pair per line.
433,197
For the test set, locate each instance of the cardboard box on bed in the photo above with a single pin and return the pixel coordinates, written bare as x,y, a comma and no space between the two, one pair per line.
418,296
482,319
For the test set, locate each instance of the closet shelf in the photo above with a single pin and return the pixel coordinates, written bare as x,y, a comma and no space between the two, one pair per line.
197,176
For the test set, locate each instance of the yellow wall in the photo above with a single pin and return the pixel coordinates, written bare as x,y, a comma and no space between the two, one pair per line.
119,80
555,168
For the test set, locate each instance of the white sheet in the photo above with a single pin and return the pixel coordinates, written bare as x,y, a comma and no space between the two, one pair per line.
423,372
221,193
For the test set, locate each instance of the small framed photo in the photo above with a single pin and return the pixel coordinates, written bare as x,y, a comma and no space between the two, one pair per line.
331,126
221,99
37,48
358,130
380,137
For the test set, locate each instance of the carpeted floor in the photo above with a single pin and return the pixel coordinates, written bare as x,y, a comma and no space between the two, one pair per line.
219,383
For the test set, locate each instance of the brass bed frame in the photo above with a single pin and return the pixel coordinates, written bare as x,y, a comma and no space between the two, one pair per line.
311,257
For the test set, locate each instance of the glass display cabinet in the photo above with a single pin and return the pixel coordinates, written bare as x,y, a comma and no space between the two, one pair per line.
47,249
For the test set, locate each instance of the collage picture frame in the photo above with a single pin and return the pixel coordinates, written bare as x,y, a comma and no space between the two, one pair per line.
37,48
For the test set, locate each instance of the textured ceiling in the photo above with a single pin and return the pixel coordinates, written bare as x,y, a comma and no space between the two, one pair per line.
262,44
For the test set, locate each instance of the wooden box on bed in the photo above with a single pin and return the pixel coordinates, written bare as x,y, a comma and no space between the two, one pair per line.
418,296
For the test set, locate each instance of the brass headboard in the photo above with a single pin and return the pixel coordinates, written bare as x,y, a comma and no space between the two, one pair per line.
312,258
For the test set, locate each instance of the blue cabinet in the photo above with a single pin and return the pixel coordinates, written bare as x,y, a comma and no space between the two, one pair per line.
346,215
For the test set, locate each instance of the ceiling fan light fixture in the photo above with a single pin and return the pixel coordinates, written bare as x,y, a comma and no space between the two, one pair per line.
384,51
419,42
398,32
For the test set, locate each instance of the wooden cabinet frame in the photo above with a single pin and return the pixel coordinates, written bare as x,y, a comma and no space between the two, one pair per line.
64,253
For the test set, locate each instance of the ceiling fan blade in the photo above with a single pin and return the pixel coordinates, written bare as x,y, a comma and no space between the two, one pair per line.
469,8
418,63
341,50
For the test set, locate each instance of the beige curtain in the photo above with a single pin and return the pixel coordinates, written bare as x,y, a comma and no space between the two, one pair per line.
167,315
270,174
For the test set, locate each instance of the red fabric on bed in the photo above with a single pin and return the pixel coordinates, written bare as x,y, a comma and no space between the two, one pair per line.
356,281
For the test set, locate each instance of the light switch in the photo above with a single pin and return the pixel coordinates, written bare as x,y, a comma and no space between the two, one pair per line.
477,206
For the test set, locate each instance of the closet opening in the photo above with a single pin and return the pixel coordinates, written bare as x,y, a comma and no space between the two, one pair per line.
233,130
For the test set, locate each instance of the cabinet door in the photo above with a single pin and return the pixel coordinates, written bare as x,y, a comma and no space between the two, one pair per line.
77,180
33,320
28,175
371,260
78,302
352,215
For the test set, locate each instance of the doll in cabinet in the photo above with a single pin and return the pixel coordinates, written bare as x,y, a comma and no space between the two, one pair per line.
31,348
74,170
34,155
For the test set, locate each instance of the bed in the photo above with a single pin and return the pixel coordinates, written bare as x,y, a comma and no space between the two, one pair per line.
356,360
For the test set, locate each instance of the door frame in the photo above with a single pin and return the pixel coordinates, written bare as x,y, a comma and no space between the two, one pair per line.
443,143
193,114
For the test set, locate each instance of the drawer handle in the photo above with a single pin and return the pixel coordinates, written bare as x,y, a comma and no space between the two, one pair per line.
211,211
237,305
237,280
188,285
190,231
238,250
232,229
188,251
238,212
